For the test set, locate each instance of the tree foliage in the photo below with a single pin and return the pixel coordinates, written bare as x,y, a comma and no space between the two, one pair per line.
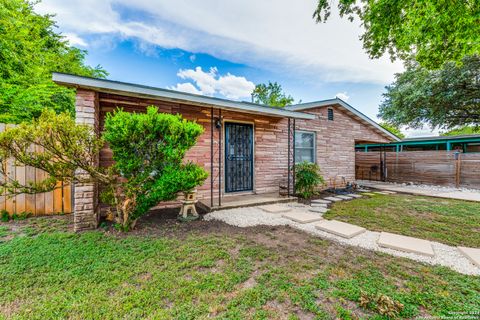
271,94
444,98
433,31
148,150
393,129
462,131
53,143
30,50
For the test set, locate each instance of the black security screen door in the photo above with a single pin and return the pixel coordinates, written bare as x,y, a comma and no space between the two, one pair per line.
238,157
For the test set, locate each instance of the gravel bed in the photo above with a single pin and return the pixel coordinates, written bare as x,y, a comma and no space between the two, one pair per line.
447,256
425,187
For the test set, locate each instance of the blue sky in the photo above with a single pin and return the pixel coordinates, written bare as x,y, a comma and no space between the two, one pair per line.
223,48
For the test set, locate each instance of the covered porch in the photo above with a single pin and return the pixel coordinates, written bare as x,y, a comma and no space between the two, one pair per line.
244,200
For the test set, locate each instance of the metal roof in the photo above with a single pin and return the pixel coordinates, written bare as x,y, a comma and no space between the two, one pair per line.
136,90
470,138
444,138
338,101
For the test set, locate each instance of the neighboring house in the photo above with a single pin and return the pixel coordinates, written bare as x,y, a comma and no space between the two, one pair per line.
246,147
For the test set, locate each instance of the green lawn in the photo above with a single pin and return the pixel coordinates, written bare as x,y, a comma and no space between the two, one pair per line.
452,222
202,270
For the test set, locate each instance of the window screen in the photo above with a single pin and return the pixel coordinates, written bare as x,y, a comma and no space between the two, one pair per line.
304,146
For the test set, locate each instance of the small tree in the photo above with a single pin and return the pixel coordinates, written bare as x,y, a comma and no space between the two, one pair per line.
148,150
62,147
307,178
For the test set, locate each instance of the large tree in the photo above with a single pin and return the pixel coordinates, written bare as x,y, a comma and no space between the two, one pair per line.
461,131
433,31
393,129
30,49
444,98
271,94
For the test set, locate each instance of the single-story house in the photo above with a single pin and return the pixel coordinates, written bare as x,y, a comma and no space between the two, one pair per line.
248,149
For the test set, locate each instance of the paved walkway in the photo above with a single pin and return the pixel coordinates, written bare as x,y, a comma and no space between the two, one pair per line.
431,192
463,260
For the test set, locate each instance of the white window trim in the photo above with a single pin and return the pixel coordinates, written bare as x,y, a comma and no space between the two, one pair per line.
314,144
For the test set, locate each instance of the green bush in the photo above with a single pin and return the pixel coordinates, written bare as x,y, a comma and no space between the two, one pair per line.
4,216
149,150
307,178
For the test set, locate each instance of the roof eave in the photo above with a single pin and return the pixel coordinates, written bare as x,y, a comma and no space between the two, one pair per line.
323,103
141,91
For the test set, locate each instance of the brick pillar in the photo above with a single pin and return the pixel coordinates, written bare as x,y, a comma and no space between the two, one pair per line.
85,197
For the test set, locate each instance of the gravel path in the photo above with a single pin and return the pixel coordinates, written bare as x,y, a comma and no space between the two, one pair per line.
425,190
447,256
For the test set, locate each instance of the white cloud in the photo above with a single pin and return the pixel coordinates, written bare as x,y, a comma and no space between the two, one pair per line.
75,40
211,83
425,131
271,34
343,96
186,87
192,58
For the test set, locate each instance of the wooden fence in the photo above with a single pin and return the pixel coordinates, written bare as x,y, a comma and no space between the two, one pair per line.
54,202
428,167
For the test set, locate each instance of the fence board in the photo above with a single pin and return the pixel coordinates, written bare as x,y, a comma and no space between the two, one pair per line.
53,202
428,167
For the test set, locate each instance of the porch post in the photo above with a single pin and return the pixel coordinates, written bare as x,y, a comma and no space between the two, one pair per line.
212,120
220,158
288,166
85,197
293,158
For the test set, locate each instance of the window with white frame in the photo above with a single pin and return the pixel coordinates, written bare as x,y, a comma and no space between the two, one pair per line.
304,146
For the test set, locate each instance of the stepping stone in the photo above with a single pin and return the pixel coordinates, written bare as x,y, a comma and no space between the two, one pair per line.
318,209
472,254
296,205
342,229
354,195
275,208
334,199
406,244
363,190
368,194
389,192
344,197
321,201
302,217
324,205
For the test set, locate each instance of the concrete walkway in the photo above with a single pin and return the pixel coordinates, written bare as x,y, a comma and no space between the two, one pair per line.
449,193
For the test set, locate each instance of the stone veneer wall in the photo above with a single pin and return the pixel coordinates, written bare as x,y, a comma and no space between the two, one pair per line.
336,141
86,194
270,134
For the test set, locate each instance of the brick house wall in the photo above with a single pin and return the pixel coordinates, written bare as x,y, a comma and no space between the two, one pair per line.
335,141
270,141
85,195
